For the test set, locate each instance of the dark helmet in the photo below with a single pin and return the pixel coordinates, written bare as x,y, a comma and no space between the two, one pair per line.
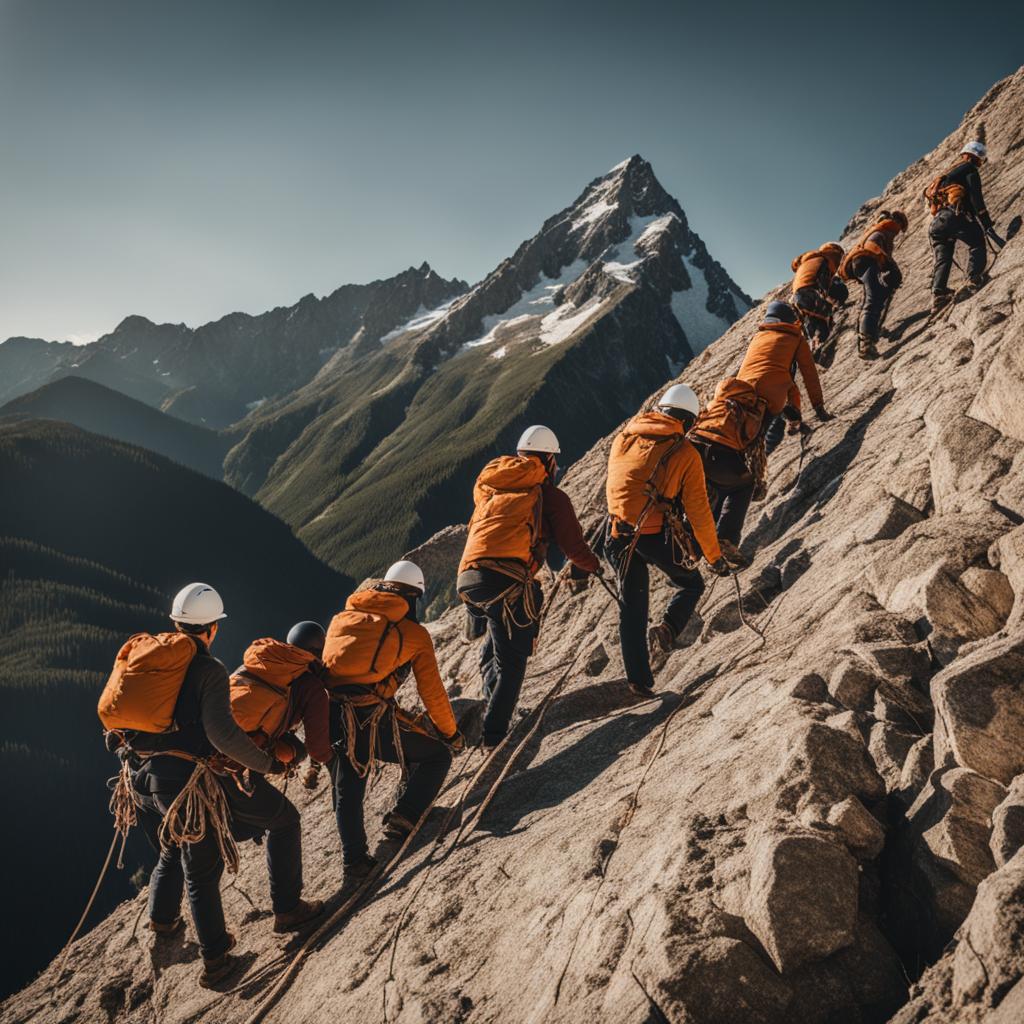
897,215
780,313
310,636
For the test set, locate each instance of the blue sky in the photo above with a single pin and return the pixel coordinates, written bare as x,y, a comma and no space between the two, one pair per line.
183,160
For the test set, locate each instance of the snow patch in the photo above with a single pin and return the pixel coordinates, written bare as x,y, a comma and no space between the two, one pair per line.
500,353
689,307
563,322
252,406
420,319
593,212
640,228
532,303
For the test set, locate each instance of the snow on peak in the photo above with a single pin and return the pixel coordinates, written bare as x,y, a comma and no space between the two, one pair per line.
420,319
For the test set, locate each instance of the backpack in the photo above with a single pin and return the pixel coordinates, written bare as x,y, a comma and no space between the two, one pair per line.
508,503
260,690
145,683
865,247
638,455
938,195
734,417
365,641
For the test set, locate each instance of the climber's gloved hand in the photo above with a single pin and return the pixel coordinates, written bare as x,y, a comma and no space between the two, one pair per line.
998,239
794,427
578,579
311,778
720,567
456,743
823,414
894,277
277,767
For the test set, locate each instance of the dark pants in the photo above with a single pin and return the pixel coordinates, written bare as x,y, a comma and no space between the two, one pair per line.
774,434
505,652
199,866
877,291
946,229
427,759
651,549
726,471
817,314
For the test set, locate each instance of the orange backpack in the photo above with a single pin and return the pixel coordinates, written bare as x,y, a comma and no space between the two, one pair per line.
146,681
734,417
363,641
938,195
635,462
261,688
506,520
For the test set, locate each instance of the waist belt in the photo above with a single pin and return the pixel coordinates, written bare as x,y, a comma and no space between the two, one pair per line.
520,589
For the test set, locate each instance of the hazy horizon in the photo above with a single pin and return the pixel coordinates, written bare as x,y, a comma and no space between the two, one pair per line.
182,163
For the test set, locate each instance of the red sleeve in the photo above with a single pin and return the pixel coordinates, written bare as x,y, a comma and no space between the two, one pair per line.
312,707
562,526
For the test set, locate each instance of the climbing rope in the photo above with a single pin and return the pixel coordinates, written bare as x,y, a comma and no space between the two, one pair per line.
739,605
201,805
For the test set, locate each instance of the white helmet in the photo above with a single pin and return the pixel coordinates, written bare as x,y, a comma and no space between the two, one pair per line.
408,573
679,396
978,149
539,439
197,604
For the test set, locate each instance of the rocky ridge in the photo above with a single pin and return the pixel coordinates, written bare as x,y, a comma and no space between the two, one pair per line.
824,797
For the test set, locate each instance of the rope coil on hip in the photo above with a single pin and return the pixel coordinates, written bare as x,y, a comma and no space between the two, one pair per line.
352,727
200,806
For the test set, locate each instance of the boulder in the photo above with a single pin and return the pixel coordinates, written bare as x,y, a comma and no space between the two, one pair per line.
918,765
1007,554
852,684
802,903
861,831
980,703
809,686
1008,824
889,746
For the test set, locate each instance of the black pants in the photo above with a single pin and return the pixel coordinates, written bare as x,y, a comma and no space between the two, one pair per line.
726,471
199,866
651,549
817,314
505,652
946,229
877,290
427,759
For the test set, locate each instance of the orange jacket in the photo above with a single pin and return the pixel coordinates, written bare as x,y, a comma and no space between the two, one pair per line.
679,475
768,366
734,417
810,270
416,647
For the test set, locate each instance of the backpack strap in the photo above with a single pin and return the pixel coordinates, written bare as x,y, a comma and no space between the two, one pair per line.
380,643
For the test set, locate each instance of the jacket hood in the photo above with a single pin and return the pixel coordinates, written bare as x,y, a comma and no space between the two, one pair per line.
392,606
512,473
653,424
780,326
275,661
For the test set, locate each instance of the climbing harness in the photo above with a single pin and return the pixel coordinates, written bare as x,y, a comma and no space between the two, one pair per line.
520,589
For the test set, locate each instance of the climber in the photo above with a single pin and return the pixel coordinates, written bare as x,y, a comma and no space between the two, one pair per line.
770,363
653,470
959,215
371,648
167,713
729,437
871,262
277,686
519,513
817,291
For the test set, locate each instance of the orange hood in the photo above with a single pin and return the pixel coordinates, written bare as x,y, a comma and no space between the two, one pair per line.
392,606
653,424
512,473
276,662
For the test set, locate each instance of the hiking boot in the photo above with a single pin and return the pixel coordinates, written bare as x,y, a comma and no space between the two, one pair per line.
940,300
397,826
732,554
639,689
165,929
300,915
358,871
661,637
975,284
217,968
867,348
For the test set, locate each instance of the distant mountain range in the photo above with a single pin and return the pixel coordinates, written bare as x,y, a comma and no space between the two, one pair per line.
102,410
361,418
95,538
